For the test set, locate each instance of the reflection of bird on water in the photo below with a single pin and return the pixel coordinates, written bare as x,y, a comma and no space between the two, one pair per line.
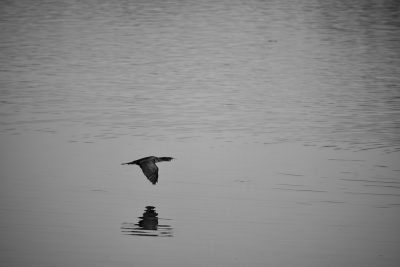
149,220
147,225
149,167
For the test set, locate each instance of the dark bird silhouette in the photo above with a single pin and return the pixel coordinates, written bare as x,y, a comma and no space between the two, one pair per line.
149,167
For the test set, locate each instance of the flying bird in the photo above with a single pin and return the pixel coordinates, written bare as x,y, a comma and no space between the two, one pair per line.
149,167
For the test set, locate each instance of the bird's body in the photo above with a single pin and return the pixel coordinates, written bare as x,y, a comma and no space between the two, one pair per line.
149,167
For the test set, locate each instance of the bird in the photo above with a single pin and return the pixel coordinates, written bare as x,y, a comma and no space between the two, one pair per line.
149,167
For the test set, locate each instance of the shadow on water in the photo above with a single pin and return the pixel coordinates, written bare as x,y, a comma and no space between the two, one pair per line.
148,225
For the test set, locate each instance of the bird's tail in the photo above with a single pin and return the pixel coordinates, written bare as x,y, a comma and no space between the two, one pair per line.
129,163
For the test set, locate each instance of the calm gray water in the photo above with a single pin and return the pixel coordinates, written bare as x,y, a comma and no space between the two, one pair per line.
284,117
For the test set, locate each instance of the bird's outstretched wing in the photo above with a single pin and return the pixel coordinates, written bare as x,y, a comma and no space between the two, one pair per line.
150,169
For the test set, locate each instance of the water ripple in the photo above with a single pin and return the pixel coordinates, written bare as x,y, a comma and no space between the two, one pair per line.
148,225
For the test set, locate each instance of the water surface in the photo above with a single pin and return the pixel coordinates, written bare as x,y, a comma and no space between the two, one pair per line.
283,117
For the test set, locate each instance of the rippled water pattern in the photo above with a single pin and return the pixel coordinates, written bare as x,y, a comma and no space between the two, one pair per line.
148,225
321,73
282,117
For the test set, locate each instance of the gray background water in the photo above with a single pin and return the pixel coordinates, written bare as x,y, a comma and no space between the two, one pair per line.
283,117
